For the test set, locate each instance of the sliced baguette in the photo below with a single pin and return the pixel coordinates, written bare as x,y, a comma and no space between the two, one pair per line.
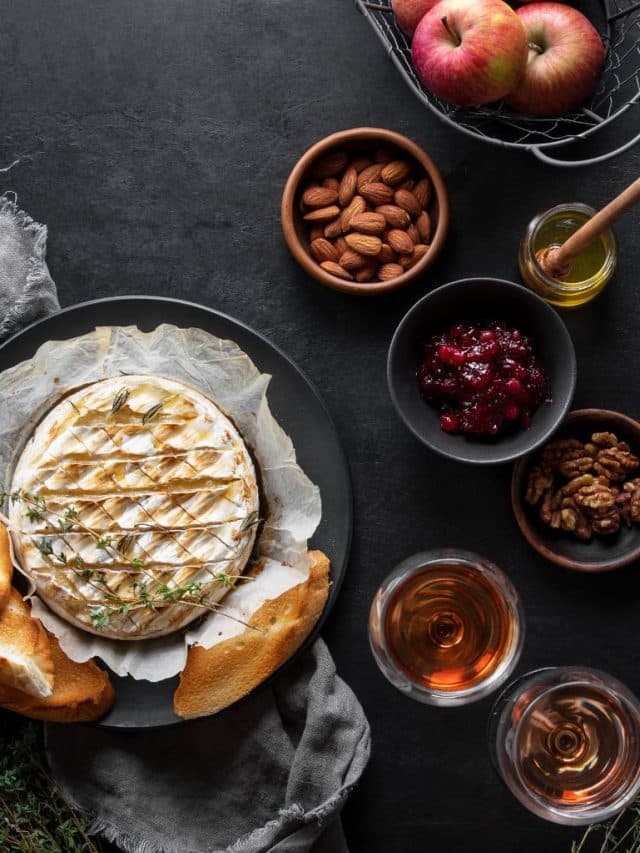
6,566
217,677
26,662
82,693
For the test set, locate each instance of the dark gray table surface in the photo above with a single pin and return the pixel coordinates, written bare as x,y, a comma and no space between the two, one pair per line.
155,138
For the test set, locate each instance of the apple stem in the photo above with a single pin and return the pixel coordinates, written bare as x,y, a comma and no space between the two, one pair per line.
454,35
535,47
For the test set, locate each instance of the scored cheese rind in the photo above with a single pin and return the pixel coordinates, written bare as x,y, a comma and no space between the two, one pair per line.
163,477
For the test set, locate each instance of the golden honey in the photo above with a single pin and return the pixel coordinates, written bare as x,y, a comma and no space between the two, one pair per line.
591,270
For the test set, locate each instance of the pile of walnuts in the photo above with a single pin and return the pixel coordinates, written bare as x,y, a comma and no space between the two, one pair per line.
586,487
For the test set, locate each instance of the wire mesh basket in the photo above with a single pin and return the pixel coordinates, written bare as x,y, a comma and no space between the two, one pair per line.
618,22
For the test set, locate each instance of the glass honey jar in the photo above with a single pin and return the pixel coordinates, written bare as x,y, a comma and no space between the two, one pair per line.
591,270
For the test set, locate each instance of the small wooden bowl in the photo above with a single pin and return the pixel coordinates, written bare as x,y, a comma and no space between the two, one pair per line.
360,141
601,553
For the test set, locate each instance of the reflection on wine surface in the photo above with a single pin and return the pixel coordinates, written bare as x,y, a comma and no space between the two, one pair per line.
567,743
446,627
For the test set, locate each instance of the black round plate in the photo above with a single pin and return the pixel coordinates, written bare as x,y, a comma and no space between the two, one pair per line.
295,404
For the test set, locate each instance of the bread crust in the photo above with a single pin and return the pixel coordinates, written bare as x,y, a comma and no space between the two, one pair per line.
82,692
6,566
26,661
217,677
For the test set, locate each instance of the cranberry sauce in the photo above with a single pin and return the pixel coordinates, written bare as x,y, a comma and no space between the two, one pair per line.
483,378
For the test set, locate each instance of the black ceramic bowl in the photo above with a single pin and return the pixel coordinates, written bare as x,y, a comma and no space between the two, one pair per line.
601,553
481,299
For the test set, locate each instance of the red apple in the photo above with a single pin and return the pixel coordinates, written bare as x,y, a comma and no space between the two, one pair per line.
566,55
470,52
409,12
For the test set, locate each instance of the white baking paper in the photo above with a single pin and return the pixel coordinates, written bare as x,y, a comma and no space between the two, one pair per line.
222,371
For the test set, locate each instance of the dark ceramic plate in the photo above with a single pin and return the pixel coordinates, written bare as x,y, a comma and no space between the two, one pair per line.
294,402
481,299
602,553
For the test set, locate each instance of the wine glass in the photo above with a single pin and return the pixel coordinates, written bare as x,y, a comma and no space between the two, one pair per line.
566,741
446,627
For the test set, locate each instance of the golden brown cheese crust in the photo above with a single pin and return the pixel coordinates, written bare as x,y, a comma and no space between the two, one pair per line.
217,677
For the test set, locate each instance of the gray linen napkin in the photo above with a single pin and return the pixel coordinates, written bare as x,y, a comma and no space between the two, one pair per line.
27,292
269,774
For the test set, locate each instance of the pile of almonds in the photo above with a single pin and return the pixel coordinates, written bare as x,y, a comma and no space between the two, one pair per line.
367,217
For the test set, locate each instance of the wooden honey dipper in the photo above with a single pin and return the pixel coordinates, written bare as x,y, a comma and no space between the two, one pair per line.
556,261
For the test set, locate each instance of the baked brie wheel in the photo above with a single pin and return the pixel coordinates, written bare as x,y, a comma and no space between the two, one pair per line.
135,507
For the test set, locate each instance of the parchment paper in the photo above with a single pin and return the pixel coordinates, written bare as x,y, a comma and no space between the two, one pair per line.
222,371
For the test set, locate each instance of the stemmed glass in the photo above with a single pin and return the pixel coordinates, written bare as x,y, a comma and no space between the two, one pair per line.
446,627
566,741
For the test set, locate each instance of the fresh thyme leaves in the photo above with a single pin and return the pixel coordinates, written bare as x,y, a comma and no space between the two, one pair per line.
45,547
34,818
150,414
99,616
619,835
225,579
119,400
148,593
104,543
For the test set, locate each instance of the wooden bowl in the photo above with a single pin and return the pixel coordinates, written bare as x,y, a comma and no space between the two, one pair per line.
601,553
360,141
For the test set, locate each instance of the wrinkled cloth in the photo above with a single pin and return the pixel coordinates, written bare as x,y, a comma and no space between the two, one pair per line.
27,291
268,774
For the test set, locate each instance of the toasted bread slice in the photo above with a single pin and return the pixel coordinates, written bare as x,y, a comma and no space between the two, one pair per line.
82,692
26,663
217,677
6,566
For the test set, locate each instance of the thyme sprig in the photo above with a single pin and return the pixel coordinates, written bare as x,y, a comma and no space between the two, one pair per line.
619,835
188,594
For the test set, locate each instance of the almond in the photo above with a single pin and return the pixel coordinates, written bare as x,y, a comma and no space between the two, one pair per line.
423,224
408,261
331,165
407,201
333,229
422,191
368,223
357,205
376,193
348,186
331,183
412,231
323,214
340,245
365,244
388,271
383,155
369,174
335,269
361,163
394,216
323,250
395,172
317,231
367,273
406,185
319,197
387,255
400,242
351,260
